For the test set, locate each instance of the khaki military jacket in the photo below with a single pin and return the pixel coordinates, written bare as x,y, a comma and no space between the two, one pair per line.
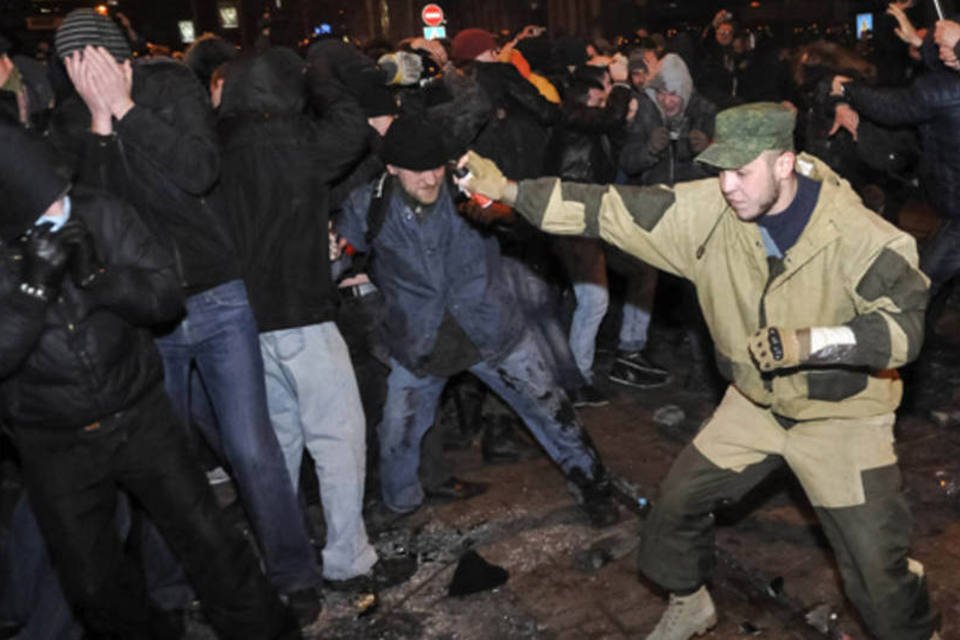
848,268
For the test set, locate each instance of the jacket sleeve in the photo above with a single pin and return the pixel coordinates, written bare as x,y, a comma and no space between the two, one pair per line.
609,119
909,105
21,324
635,156
659,225
891,300
140,282
351,222
181,141
340,136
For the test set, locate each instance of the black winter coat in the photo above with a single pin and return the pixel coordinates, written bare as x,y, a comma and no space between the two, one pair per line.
581,149
932,104
278,164
68,363
516,130
163,158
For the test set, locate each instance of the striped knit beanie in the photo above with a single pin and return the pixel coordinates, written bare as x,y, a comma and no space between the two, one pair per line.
84,27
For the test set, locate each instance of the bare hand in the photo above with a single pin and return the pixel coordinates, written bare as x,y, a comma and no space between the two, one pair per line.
836,85
79,72
619,69
632,109
845,118
113,80
946,33
905,31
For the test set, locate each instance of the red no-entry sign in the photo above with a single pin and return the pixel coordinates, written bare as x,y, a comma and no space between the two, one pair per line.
432,15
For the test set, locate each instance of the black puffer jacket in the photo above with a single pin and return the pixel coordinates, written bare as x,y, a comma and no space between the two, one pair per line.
163,158
516,130
932,104
278,164
581,149
73,361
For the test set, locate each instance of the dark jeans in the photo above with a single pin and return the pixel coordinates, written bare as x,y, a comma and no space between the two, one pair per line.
30,592
73,479
219,338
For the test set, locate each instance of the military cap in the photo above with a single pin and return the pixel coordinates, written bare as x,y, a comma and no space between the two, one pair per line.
746,131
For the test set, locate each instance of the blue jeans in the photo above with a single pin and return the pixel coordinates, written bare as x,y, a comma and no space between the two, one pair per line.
637,307
315,404
219,337
522,379
592,302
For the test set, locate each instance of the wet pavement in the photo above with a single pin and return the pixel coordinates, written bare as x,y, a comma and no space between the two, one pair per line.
775,577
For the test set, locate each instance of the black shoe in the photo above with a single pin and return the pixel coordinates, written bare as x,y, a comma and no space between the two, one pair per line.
588,396
456,489
634,369
306,605
386,573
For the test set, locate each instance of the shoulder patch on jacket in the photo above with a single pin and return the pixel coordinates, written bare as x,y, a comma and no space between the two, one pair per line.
591,197
646,204
892,276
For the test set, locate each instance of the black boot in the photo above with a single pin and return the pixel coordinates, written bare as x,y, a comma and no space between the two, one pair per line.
595,497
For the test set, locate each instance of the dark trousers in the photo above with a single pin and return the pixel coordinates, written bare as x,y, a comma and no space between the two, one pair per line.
73,479
869,540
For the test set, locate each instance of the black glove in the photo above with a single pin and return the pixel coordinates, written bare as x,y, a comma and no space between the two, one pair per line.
659,139
44,262
85,264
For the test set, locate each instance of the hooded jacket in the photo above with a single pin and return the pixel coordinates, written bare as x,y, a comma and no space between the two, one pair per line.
849,267
676,162
277,166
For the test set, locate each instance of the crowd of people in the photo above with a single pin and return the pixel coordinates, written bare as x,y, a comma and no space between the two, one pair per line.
269,263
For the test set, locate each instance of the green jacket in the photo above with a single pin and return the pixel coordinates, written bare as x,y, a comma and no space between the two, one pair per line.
849,267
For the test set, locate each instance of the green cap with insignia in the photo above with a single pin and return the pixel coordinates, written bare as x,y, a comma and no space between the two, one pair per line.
746,131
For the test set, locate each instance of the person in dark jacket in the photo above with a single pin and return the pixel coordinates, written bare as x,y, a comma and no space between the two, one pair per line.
581,150
278,164
448,310
516,129
144,132
81,385
932,104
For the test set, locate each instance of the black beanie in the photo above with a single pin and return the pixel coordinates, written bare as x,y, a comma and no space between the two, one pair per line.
413,143
84,27
29,180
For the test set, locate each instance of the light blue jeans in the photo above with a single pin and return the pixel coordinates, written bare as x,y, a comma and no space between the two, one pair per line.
314,402
637,307
592,302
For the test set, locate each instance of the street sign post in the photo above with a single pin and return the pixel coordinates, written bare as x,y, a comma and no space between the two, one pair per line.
432,15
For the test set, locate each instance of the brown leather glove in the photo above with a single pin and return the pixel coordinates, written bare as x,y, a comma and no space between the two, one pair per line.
776,348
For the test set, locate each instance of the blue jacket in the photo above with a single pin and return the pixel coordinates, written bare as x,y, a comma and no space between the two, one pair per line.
426,266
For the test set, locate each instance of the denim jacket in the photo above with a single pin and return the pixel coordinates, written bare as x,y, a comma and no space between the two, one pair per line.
428,264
